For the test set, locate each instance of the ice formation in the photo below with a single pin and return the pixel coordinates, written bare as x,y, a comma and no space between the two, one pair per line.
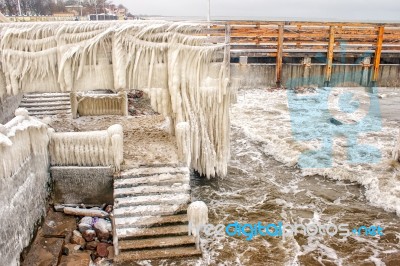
23,182
99,104
185,77
94,148
396,150
198,216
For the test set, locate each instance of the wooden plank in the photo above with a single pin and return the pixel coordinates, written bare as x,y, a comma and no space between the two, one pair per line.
159,242
306,37
378,52
329,57
126,258
279,58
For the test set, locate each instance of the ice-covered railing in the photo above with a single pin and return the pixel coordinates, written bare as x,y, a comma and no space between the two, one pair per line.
24,181
89,104
186,76
21,138
93,148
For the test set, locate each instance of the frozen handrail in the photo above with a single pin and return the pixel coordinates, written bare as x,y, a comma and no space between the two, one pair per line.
99,104
94,148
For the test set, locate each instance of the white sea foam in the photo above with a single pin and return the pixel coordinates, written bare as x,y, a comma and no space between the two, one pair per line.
265,118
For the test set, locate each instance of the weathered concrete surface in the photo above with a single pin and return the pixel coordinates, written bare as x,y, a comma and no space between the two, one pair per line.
57,224
88,185
8,106
253,76
23,206
77,259
44,251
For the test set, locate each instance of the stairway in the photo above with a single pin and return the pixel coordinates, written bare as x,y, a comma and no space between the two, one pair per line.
46,104
150,207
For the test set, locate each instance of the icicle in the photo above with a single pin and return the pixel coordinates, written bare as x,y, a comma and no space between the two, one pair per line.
87,148
396,150
198,216
182,132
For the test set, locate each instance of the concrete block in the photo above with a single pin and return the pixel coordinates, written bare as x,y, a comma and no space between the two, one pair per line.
87,185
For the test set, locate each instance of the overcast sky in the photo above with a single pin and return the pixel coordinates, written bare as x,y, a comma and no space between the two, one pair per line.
265,9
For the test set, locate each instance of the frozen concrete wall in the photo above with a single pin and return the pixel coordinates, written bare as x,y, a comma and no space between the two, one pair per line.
297,75
24,181
88,185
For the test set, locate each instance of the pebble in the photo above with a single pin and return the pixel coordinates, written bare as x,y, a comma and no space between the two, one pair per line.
102,250
111,252
77,238
89,235
92,245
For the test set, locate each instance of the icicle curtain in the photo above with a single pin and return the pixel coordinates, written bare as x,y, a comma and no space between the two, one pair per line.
95,148
99,104
20,139
185,77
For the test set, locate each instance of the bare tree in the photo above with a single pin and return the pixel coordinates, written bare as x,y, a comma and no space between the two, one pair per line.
9,7
48,7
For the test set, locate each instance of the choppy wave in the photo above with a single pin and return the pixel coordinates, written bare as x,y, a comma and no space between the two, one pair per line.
264,116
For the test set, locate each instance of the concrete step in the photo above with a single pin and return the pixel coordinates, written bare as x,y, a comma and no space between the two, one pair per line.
169,253
148,190
152,200
140,233
44,104
161,179
48,108
151,221
150,210
146,171
40,100
46,95
49,113
161,242
150,205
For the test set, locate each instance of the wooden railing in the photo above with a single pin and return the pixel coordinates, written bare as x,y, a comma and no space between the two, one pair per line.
328,41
